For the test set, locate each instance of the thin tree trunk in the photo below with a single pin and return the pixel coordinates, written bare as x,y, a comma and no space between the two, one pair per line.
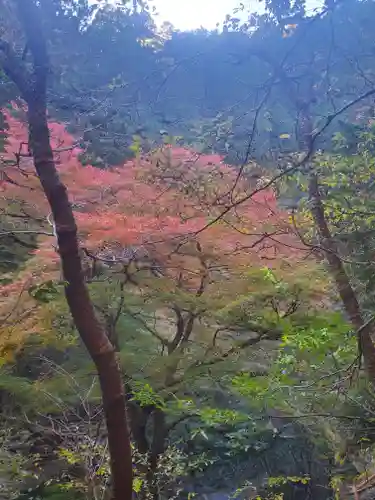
92,333
157,449
337,270
33,87
138,418
344,287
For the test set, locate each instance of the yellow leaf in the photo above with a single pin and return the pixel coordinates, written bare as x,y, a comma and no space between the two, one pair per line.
284,136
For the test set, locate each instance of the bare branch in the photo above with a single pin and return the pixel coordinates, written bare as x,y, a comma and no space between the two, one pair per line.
21,231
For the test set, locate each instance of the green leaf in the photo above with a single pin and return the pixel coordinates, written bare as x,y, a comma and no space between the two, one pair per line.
45,292
137,484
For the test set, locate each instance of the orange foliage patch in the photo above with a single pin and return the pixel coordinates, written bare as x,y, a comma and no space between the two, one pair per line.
165,200
167,194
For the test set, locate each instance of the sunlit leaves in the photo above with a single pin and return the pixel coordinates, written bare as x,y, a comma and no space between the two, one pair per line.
44,292
145,395
254,388
281,480
215,416
137,484
69,456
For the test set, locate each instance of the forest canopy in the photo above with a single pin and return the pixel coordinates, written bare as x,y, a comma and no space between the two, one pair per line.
187,274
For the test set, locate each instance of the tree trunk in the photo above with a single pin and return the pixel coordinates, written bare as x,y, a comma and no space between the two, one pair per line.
151,450
138,419
336,267
93,335
33,87
156,450
344,287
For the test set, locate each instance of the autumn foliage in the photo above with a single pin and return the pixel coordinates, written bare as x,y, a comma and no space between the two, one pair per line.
168,202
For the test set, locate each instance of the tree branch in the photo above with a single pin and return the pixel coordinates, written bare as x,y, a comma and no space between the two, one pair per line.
14,68
21,231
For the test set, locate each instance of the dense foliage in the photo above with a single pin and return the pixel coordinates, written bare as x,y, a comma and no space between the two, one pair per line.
221,183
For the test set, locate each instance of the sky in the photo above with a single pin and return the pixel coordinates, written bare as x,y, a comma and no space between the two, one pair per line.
191,14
